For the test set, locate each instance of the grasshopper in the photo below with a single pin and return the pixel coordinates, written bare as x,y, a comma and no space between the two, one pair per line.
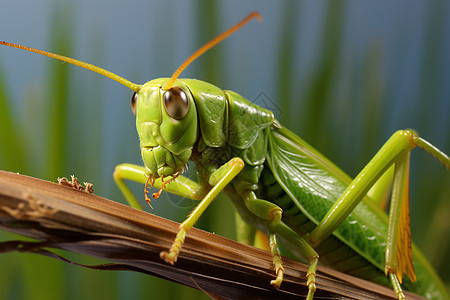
278,183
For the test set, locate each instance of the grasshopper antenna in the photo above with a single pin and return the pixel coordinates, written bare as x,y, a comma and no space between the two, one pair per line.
209,45
131,85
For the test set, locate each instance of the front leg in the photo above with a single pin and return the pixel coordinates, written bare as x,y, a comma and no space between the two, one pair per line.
181,186
219,180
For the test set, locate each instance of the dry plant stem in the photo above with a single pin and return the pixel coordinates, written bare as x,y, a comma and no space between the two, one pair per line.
65,218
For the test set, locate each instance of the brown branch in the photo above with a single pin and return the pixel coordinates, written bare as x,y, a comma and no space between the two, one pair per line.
60,217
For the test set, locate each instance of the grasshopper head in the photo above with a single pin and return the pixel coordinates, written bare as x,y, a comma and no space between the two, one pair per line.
166,121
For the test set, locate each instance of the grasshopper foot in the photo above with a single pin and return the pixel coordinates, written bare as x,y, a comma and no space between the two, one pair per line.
311,277
169,257
172,256
279,270
311,283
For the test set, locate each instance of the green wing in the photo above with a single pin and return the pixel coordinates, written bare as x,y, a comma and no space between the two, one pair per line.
314,184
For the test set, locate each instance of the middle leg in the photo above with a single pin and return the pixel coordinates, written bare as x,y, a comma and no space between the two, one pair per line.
272,214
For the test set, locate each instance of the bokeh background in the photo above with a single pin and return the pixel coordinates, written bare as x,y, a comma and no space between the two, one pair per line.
343,75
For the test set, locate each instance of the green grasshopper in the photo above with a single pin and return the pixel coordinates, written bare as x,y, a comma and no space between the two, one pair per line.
278,183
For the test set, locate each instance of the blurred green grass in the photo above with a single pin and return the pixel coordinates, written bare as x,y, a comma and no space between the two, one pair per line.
342,110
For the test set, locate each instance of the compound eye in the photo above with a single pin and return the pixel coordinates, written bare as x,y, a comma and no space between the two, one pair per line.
134,102
176,103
